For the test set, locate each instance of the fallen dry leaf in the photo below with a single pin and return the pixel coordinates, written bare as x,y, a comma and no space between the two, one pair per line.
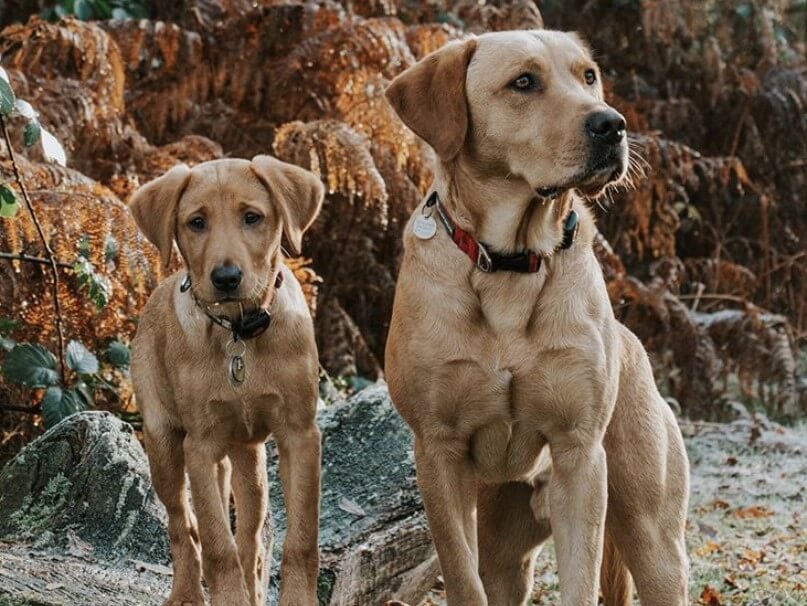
710,596
350,506
755,511
707,548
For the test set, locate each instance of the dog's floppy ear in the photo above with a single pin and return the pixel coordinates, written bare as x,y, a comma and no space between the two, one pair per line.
154,208
297,192
430,97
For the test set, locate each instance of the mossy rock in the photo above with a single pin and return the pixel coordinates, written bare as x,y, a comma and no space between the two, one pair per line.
84,483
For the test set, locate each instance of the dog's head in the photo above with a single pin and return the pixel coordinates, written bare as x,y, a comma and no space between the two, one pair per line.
227,217
527,104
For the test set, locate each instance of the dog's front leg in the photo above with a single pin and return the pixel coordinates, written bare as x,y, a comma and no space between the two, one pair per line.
577,501
219,553
167,463
251,500
299,451
448,486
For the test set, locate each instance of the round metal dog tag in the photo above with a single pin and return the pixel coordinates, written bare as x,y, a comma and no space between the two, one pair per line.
424,227
235,350
238,371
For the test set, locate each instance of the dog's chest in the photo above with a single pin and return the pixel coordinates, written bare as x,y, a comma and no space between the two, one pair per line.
213,402
507,440
508,395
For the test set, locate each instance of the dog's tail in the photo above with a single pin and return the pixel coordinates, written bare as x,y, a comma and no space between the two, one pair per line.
615,581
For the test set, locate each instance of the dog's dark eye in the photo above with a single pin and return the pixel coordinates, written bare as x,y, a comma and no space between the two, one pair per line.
251,218
590,76
525,83
197,223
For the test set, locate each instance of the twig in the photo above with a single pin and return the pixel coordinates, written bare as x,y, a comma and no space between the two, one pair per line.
57,309
789,261
31,410
698,294
735,142
719,297
31,259
715,296
766,248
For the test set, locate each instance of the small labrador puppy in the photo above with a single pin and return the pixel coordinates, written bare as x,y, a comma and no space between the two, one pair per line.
224,356
534,410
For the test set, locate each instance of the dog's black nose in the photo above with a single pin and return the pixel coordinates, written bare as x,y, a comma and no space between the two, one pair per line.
226,278
607,125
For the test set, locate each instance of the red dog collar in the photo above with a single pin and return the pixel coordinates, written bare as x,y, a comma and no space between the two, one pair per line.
526,262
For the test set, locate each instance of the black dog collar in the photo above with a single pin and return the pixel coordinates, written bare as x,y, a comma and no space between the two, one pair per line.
250,325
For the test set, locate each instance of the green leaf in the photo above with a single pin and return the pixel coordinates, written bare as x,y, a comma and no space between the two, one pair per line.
8,210
118,354
24,109
52,150
7,195
120,13
80,359
9,203
84,247
101,9
8,324
745,11
83,10
7,344
136,10
51,406
98,287
6,98
31,365
83,392
58,404
32,133
112,249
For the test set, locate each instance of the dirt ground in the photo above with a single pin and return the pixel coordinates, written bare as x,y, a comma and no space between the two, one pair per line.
746,535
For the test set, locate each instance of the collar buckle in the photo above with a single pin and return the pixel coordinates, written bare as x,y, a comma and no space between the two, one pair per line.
483,260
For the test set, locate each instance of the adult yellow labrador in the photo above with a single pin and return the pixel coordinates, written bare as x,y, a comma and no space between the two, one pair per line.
225,355
533,409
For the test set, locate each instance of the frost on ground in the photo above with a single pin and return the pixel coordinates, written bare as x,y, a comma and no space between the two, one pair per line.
746,534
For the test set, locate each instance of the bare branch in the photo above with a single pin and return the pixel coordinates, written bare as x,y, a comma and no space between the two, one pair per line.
32,259
57,309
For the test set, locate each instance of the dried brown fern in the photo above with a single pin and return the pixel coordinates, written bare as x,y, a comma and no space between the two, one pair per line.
305,84
688,366
758,348
337,154
427,38
80,218
496,15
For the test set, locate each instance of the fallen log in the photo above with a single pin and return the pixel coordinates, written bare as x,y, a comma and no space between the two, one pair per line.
80,524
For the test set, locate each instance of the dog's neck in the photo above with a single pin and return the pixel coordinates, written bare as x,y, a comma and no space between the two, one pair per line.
502,211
